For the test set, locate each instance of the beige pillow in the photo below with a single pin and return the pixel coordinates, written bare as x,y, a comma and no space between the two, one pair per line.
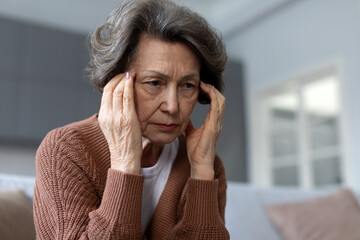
16,217
332,217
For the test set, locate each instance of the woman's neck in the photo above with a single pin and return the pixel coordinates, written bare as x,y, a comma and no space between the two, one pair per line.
151,153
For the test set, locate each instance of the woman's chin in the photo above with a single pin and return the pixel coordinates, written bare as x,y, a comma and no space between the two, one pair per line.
161,138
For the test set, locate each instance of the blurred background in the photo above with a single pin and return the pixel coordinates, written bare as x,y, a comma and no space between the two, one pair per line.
292,84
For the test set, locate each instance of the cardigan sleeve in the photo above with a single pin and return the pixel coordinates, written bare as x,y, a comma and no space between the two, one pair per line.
67,205
204,210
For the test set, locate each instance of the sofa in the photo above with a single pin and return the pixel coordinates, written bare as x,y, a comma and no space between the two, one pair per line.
246,216
16,219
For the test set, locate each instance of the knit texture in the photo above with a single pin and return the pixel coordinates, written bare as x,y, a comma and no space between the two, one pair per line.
78,196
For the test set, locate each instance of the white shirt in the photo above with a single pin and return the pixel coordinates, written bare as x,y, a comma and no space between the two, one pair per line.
155,180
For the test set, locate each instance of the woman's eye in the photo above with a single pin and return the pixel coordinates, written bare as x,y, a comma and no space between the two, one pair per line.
154,83
189,85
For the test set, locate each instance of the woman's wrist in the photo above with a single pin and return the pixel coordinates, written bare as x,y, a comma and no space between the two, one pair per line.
130,167
203,172
128,170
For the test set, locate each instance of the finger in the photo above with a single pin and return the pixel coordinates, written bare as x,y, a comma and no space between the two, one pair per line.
219,96
220,100
106,99
118,96
128,99
221,105
213,121
205,87
214,107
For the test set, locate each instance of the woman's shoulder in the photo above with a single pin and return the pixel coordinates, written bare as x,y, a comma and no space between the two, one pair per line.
77,147
64,155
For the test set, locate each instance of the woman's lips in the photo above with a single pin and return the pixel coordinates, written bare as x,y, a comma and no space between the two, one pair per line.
166,127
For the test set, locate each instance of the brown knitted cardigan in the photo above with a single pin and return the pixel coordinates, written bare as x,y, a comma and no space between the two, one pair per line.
78,196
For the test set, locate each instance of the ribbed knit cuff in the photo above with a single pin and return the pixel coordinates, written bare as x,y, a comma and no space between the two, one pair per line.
202,202
122,197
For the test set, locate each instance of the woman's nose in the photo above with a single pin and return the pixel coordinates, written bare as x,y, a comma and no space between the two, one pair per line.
170,102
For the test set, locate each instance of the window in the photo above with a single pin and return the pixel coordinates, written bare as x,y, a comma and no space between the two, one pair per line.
300,132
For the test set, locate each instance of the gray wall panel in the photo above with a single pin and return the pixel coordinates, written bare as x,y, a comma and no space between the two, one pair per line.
41,109
46,54
87,103
10,46
9,103
42,75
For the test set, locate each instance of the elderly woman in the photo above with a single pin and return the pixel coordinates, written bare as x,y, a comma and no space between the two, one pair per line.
139,169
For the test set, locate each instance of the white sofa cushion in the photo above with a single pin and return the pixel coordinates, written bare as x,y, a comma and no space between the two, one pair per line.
12,181
245,217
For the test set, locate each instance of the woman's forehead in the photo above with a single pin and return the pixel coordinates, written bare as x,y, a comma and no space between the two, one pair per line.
154,49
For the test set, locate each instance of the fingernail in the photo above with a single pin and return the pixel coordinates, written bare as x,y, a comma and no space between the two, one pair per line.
202,83
213,89
127,75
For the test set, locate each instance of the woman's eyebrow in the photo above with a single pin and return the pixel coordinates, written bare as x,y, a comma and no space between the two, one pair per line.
158,73
168,77
190,76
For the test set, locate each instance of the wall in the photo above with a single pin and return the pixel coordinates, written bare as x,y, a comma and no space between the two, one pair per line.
298,38
43,86
42,77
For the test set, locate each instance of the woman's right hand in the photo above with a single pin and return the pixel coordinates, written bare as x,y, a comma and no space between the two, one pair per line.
119,122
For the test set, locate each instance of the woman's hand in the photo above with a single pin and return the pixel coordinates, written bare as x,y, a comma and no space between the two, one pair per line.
201,143
119,122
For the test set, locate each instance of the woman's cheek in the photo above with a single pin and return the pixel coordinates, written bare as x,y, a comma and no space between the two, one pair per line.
192,104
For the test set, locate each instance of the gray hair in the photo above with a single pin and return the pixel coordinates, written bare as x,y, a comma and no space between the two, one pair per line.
113,44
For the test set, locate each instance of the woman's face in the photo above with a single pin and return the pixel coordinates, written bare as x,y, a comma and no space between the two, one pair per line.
166,87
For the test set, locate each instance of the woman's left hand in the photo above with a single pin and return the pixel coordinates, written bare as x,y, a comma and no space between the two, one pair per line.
201,143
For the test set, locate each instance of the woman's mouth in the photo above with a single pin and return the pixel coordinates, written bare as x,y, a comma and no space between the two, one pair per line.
166,127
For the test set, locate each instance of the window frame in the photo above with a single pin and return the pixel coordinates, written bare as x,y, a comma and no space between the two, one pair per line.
261,169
